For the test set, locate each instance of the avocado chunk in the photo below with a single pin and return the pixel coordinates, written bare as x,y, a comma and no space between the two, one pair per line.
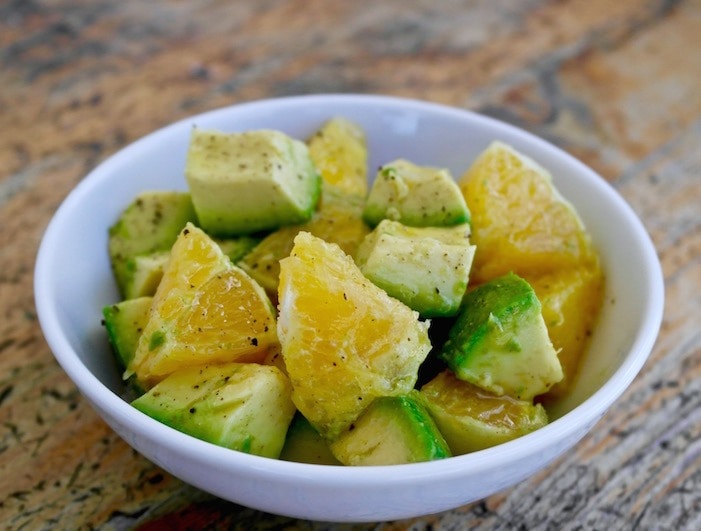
304,444
499,341
243,183
150,223
242,406
124,322
418,196
472,419
427,268
392,430
146,273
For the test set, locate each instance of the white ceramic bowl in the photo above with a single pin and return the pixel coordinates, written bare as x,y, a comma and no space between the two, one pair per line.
73,282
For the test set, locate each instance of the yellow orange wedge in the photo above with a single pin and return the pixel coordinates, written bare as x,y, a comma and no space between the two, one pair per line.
471,419
344,340
339,152
205,311
570,301
520,222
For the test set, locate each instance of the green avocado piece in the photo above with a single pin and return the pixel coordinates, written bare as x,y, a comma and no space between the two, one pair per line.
304,444
499,341
151,223
242,406
146,273
124,322
392,430
243,183
418,196
427,268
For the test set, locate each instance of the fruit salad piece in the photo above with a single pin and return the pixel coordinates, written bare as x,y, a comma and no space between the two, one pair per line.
520,222
471,419
571,299
125,321
339,152
150,223
427,268
304,444
242,406
391,431
499,341
205,310
418,196
345,342
253,181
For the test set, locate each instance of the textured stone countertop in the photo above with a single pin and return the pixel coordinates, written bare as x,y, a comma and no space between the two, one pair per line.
617,84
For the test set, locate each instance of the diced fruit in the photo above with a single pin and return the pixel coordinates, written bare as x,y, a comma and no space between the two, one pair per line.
571,299
472,419
427,268
305,445
391,431
125,321
499,341
339,152
247,182
345,342
147,271
417,196
242,406
205,310
338,220
150,223
520,222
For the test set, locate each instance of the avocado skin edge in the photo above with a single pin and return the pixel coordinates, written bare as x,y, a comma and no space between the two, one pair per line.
505,300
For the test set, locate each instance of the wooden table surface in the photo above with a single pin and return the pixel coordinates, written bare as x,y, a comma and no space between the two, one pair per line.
617,84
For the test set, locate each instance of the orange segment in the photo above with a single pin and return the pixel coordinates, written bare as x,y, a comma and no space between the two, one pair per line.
520,222
205,311
344,340
339,152
472,419
570,301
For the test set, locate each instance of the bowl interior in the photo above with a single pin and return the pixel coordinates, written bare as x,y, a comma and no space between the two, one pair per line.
74,281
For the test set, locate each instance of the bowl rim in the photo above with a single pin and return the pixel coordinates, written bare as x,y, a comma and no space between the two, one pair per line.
587,412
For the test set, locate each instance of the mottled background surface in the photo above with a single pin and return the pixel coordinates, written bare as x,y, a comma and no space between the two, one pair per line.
617,84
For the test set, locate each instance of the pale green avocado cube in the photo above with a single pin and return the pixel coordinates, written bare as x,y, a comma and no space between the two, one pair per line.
149,224
499,341
243,183
391,431
304,444
124,322
146,273
418,196
427,268
242,406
